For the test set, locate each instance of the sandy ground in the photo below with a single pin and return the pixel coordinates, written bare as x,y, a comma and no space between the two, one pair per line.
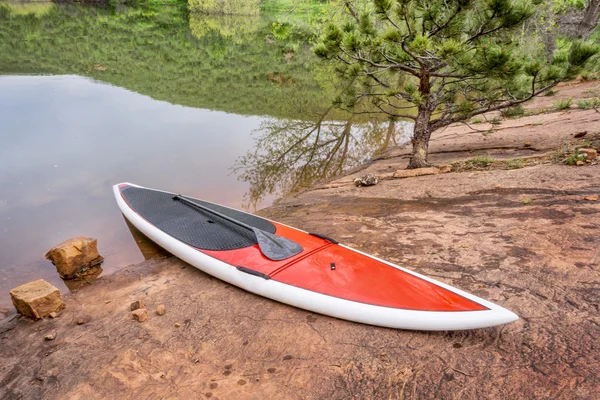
526,239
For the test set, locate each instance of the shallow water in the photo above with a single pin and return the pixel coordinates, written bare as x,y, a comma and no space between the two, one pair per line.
65,140
163,98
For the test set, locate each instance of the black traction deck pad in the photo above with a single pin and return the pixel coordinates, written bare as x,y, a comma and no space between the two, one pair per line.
191,225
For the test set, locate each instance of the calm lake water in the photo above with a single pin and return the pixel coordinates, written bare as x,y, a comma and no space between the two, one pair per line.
90,97
65,140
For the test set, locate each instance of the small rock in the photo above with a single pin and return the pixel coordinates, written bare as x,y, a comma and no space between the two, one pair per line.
592,198
177,324
590,154
580,163
367,180
53,314
527,144
140,315
75,256
444,169
136,305
80,322
160,310
50,336
36,299
580,134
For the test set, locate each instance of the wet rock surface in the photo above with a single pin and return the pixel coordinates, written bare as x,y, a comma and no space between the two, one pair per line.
75,257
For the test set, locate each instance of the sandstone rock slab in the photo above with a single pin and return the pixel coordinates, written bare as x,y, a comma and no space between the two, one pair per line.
410,173
36,299
75,256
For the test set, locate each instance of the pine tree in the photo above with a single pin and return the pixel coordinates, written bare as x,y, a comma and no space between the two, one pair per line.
438,62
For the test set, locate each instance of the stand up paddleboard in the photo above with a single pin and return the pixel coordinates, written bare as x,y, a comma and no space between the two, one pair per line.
305,270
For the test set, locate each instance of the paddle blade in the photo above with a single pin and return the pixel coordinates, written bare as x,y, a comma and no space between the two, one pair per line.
275,247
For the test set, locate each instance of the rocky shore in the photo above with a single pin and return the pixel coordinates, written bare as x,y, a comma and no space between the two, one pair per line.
511,222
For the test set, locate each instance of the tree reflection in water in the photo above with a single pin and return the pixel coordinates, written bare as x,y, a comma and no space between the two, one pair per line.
292,154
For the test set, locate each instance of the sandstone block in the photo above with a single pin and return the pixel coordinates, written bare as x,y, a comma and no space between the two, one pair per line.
136,305
75,256
140,315
410,173
36,299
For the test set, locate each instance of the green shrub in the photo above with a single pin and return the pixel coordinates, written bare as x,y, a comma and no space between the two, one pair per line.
476,120
515,163
563,104
588,104
225,7
478,162
495,121
513,112
574,157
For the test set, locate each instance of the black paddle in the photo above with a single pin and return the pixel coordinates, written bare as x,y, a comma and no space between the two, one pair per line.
273,247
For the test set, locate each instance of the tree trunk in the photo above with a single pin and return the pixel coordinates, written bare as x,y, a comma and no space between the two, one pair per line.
420,139
590,19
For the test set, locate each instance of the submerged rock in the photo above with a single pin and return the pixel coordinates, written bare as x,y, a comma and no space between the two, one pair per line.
367,180
36,299
74,257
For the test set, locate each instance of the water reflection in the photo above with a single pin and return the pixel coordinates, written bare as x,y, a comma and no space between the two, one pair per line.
89,278
147,247
292,154
64,141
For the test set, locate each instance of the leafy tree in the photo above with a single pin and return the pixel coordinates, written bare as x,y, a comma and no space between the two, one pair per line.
441,62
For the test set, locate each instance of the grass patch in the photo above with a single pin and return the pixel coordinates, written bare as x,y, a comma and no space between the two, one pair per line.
588,104
563,104
549,92
479,162
476,121
515,163
574,157
513,112
495,121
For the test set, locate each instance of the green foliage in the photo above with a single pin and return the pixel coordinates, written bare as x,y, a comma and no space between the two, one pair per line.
588,104
495,121
513,112
216,62
515,163
225,7
34,9
479,162
563,104
450,59
574,157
